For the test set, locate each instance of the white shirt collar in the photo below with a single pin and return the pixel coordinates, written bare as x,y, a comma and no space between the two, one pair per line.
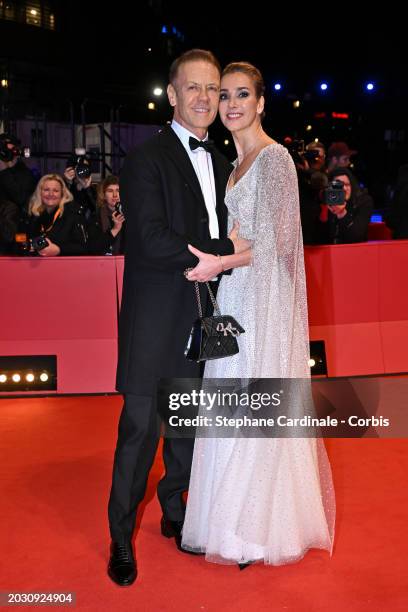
184,135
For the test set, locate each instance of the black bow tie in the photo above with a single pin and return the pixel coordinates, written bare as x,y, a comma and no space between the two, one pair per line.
206,144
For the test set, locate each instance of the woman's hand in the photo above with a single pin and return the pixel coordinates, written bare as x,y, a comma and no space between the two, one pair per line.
207,268
52,250
118,220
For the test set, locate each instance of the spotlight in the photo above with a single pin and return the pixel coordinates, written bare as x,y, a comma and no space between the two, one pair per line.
22,373
370,86
277,87
323,86
164,30
226,142
151,106
317,361
157,91
309,128
296,104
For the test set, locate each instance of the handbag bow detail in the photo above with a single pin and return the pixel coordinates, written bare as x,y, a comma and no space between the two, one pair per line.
228,329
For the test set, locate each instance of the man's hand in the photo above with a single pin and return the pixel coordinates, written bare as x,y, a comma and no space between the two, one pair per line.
4,165
51,250
240,244
69,174
83,183
207,268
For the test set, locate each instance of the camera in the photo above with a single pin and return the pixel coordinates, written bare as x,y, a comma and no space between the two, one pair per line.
7,153
334,194
39,243
296,149
26,246
79,161
311,155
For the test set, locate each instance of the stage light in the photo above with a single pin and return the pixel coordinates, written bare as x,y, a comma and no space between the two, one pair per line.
226,142
151,106
317,361
149,49
277,87
164,30
370,86
4,83
296,104
157,91
25,373
376,219
33,12
323,86
309,128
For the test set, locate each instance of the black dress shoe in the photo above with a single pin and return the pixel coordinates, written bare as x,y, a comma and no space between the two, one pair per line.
122,567
243,566
173,529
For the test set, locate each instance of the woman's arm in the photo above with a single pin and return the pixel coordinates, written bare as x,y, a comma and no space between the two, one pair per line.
210,266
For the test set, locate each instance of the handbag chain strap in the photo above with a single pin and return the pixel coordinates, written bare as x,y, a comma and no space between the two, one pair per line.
212,298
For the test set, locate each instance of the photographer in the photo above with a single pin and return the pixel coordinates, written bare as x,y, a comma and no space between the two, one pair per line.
346,209
77,176
312,180
17,183
105,231
55,227
9,217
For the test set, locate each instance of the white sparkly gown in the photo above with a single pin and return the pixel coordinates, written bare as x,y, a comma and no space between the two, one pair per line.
257,499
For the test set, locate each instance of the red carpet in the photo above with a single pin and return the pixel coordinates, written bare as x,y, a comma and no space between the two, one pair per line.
55,465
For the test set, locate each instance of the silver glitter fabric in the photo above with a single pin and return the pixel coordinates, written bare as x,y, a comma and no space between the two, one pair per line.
260,499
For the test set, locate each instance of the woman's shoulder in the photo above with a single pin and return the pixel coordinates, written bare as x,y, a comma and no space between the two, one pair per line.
275,155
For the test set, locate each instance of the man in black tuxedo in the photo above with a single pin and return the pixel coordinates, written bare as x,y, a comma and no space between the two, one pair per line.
172,189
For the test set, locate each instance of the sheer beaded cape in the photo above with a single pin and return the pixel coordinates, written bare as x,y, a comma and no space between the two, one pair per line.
258,499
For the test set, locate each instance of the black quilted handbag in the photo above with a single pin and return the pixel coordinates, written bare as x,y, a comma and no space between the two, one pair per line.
212,337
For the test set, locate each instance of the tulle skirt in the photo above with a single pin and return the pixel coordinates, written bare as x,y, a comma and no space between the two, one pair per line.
267,500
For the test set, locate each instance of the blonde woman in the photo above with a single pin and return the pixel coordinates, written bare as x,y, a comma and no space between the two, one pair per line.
54,215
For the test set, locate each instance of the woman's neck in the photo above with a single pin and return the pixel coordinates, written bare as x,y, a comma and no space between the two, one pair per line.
249,142
51,209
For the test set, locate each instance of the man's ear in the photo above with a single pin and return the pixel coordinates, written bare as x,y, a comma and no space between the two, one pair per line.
172,95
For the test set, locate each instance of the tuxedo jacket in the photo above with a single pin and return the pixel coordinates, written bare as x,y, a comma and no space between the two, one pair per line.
165,211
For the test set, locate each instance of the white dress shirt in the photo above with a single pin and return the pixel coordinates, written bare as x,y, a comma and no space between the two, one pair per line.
202,164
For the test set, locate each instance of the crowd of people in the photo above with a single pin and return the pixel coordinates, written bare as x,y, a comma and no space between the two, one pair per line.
60,215
76,216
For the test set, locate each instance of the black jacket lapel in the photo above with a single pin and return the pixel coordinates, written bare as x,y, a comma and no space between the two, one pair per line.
171,142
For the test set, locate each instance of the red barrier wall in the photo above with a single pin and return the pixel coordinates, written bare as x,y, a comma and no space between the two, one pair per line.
68,306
